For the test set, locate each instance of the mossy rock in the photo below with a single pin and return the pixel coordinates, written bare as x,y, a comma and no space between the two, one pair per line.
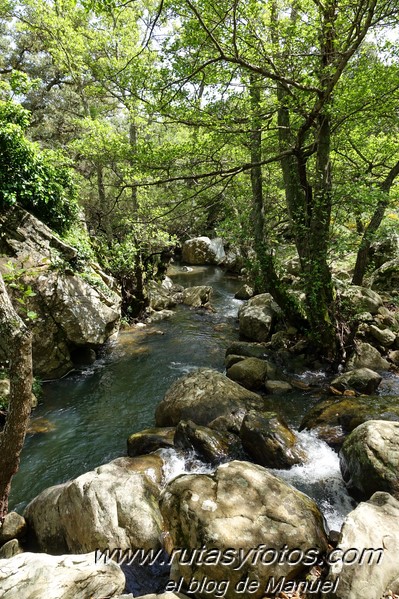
150,440
346,413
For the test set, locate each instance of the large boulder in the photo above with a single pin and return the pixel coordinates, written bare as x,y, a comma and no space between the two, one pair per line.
365,561
251,372
269,442
386,278
203,396
114,506
202,250
232,512
257,317
367,356
74,311
369,459
31,575
336,417
361,299
363,380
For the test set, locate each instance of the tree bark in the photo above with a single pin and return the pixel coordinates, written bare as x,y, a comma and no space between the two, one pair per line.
17,340
133,148
269,279
363,254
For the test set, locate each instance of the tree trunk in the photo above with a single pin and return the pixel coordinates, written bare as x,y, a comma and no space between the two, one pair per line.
363,254
133,148
269,279
17,340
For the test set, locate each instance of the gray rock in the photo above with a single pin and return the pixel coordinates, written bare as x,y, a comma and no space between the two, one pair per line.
385,250
372,525
160,296
367,356
336,417
385,337
202,396
10,549
278,387
62,577
73,310
238,508
202,250
232,359
249,350
112,506
244,293
251,372
210,445
386,278
394,357
369,459
361,299
363,380
14,527
197,296
258,316
150,440
269,442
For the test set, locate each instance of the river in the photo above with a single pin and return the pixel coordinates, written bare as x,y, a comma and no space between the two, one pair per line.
87,416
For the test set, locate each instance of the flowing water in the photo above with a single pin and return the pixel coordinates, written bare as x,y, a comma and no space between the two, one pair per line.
86,417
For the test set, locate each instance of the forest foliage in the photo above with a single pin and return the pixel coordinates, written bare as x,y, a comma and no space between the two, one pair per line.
273,124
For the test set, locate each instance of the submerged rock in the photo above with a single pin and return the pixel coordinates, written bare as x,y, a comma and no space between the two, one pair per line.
202,250
369,459
115,505
369,537
65,577
202,396
236,509
269,442
258,316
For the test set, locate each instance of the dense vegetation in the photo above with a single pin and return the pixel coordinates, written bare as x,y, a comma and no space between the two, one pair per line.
273,124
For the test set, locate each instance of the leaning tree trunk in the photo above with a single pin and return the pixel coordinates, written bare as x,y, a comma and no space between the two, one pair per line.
16,339
363,254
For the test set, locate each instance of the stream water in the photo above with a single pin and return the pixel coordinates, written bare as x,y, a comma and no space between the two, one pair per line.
86,417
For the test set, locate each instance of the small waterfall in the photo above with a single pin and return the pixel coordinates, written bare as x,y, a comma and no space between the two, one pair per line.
320,478
176,463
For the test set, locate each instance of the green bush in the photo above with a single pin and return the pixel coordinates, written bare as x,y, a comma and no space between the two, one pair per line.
38,180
